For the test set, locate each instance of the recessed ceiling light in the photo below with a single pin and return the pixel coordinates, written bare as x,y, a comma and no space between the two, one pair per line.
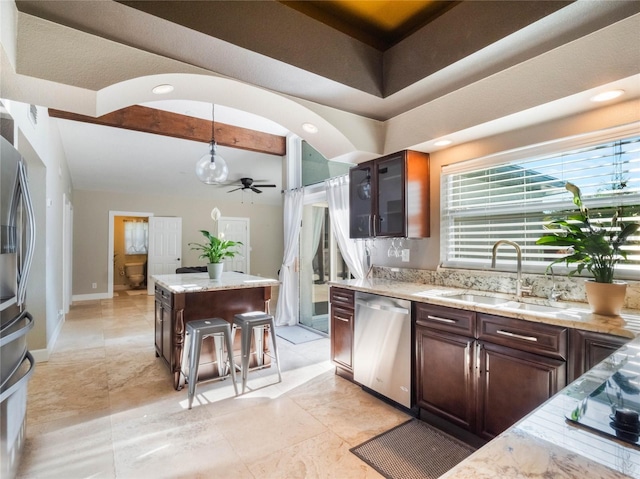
607,95
162,89
443,142
310,128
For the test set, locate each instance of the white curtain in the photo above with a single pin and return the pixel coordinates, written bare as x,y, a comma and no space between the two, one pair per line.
338,200
136,237
288,300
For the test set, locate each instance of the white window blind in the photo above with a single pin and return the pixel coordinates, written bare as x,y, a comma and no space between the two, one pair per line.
513,200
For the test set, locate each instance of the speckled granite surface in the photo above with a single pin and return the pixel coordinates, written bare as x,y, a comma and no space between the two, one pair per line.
571,289
193,282
561,313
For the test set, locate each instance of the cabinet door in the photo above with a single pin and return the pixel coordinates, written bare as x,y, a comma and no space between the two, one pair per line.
390,219
158,327
444,376
342,337
511,384
361,194
589,348
167,314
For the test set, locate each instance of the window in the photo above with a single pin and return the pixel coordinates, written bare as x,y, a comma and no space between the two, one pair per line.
513,195
316,168
136,237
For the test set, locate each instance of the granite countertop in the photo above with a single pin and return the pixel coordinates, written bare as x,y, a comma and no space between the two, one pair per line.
546,444
563,313
196,282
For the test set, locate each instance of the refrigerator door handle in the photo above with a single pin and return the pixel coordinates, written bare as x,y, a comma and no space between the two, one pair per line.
27,257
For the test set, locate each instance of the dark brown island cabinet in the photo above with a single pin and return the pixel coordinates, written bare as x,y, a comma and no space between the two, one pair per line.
342,316
174,310
389,196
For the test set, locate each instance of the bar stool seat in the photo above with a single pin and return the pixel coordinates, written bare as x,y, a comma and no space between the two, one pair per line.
248,323
199,330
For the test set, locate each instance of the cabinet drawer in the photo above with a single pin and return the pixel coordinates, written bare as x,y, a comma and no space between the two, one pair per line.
342,297
442,318
164,296
342,314
538,338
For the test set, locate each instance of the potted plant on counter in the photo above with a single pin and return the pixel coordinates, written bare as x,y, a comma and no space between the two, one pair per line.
215,250
592,248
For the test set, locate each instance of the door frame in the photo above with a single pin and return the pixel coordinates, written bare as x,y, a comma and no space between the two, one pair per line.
112,217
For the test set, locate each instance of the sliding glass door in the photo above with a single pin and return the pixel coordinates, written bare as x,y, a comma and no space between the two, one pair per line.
320,262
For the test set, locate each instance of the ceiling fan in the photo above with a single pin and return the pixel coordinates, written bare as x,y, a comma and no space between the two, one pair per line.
247,184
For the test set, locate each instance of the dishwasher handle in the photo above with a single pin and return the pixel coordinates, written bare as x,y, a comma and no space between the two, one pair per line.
382,307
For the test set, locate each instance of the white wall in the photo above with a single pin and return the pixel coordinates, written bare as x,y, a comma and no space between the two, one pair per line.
91,231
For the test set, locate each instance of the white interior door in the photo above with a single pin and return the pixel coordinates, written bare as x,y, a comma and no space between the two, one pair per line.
165,247
236,229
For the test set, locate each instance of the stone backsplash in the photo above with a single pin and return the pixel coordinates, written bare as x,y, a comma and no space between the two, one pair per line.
570,289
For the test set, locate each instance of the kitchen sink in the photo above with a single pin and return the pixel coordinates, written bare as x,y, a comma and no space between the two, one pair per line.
538,308
476,298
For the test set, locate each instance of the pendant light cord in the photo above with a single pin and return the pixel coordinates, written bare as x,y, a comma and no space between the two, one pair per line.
213,122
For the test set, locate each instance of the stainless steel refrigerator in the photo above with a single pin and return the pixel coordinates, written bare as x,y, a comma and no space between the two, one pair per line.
17,240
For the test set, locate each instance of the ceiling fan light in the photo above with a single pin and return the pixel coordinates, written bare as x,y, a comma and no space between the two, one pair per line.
212,168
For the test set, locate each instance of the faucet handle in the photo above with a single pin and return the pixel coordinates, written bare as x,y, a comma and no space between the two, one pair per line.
554,294
526,289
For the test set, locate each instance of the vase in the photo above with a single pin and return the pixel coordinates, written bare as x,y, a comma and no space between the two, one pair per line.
606,298
215,270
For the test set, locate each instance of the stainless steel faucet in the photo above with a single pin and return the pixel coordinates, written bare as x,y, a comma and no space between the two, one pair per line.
519,288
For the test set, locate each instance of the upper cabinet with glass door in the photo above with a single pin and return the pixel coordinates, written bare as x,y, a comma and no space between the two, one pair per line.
389,196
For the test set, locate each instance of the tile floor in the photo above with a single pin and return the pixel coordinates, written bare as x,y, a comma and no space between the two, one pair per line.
103,407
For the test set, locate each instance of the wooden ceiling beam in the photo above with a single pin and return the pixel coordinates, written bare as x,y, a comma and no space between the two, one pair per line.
159,122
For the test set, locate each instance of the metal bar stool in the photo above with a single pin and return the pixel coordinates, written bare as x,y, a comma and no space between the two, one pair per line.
199,330
249,323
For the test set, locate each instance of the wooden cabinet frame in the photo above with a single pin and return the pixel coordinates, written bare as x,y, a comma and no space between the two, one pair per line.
410,197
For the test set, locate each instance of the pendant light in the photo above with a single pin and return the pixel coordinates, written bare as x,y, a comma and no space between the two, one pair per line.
211,168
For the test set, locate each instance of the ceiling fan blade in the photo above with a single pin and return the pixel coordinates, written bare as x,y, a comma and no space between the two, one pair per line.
231,191
255,190
265,186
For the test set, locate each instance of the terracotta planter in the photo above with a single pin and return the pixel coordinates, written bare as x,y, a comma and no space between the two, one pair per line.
215,270
605,298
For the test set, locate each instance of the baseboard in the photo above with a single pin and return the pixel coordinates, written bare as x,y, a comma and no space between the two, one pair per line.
89,297
40,355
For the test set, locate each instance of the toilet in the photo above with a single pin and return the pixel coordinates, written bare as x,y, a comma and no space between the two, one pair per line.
135,274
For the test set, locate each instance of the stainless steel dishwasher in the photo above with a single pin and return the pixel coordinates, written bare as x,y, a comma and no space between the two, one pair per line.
382,346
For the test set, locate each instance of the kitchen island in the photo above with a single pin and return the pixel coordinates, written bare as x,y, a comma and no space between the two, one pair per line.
180,298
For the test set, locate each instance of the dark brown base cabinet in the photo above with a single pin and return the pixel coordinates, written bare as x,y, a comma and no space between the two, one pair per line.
445,384
589,348
511,384
342,314
478,385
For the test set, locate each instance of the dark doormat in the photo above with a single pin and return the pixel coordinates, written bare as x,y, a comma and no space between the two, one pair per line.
413,449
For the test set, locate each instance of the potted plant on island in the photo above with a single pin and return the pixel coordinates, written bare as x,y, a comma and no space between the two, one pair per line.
594,248
215,250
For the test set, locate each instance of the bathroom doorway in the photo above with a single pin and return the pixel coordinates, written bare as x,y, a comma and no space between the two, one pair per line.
128,253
